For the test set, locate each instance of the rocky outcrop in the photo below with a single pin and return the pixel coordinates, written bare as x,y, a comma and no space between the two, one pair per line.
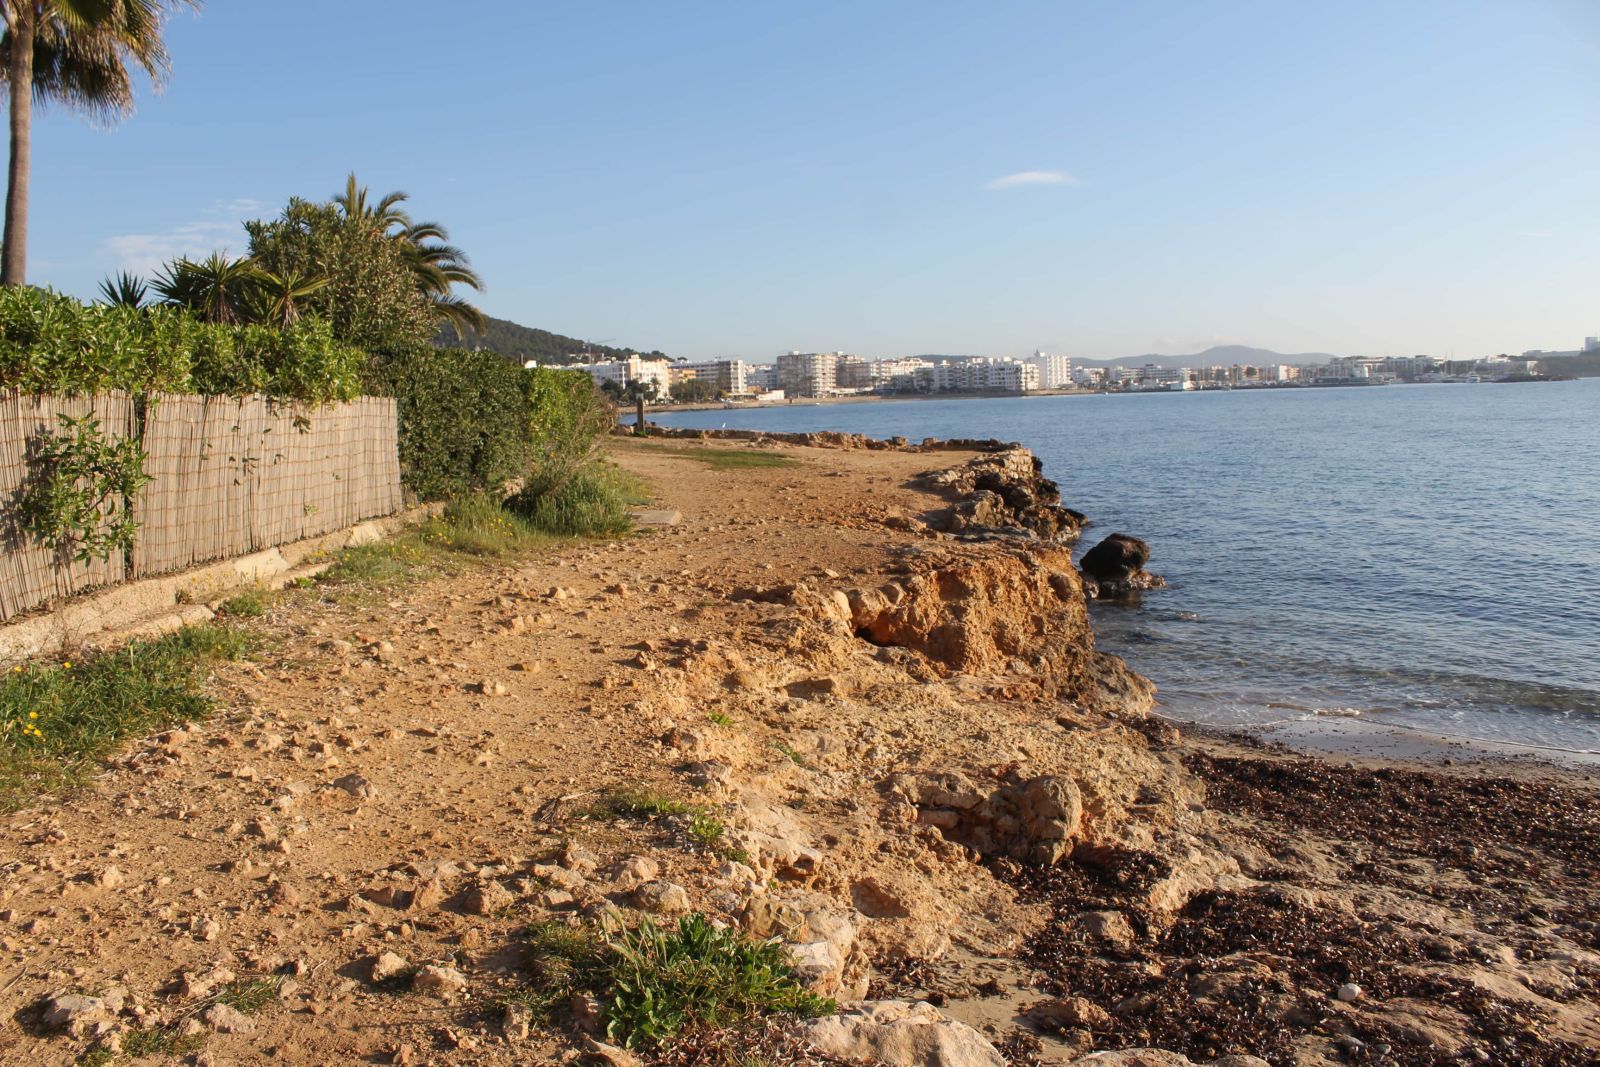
1115,567
1004,492
1021,610
826,439
1034,821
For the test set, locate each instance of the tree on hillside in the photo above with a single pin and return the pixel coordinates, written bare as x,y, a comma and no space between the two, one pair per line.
77,53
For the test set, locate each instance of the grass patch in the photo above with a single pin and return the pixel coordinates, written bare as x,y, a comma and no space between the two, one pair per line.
474,528
249,995
719,717
250,604
655,982
58,720
594,503
724,459
164,1041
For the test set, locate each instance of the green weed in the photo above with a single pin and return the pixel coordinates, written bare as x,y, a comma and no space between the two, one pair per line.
250,604
662,981
657,982
788,752
719,718
58,720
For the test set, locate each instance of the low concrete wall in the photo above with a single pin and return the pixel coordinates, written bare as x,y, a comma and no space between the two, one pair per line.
159,605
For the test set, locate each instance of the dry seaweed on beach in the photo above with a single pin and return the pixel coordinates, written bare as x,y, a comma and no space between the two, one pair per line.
1451,906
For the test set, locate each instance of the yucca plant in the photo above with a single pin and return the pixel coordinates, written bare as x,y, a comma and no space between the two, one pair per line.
124,290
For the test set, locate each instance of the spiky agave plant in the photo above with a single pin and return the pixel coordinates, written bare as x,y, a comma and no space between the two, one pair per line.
215,288
124,290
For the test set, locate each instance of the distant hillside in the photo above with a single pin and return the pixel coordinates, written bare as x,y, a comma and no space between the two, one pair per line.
1216,356
522,343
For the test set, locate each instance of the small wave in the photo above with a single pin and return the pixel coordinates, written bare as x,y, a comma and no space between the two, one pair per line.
1337,713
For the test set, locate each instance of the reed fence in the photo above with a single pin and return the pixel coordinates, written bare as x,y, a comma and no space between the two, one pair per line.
229,476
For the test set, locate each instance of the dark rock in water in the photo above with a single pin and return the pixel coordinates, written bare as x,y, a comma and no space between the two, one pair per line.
1115,568
1116,559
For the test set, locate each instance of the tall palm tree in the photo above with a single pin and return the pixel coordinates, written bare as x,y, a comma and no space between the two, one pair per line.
215,288
437,266
77,53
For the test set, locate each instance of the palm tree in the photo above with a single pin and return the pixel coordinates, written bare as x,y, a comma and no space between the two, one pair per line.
275,298
124,290
215,288
74,52
437,265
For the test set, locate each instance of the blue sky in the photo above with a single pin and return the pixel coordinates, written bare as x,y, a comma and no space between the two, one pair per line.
745,178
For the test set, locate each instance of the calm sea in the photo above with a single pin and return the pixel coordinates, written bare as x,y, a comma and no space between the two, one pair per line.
1426,557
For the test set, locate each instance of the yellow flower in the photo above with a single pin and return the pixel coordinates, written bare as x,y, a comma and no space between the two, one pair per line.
33,714
67,665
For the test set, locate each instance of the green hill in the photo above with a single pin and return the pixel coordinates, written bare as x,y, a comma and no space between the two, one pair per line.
522,343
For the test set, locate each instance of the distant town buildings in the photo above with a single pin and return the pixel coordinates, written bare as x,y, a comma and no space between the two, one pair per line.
836,374
635,368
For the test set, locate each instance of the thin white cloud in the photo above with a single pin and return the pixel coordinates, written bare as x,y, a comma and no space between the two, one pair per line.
218,229
1535,234
1031,177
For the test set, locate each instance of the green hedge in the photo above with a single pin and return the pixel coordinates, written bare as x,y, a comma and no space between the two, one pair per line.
473,421
51,343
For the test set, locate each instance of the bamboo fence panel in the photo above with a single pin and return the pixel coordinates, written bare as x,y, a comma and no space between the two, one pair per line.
233,475
31,574
229,476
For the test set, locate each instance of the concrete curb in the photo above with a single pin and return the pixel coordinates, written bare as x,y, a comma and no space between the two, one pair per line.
153,606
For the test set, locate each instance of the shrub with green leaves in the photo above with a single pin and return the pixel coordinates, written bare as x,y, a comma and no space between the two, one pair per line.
473,421
75,499
50,343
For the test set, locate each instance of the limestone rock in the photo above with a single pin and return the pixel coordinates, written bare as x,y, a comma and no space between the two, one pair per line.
387,965
227,1020
436,981
1064,1013
488,897
81,1015
1134,1057
899,1033
662,898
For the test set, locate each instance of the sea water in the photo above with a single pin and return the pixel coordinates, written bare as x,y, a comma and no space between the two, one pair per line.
1425,557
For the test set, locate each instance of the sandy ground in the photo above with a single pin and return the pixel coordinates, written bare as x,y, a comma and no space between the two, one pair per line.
396,751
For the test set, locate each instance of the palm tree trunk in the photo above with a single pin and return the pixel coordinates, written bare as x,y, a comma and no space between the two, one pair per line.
14,263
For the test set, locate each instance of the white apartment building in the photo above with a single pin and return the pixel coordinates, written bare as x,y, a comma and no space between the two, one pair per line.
808,373
632,369
1055,372
730,377
998,375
